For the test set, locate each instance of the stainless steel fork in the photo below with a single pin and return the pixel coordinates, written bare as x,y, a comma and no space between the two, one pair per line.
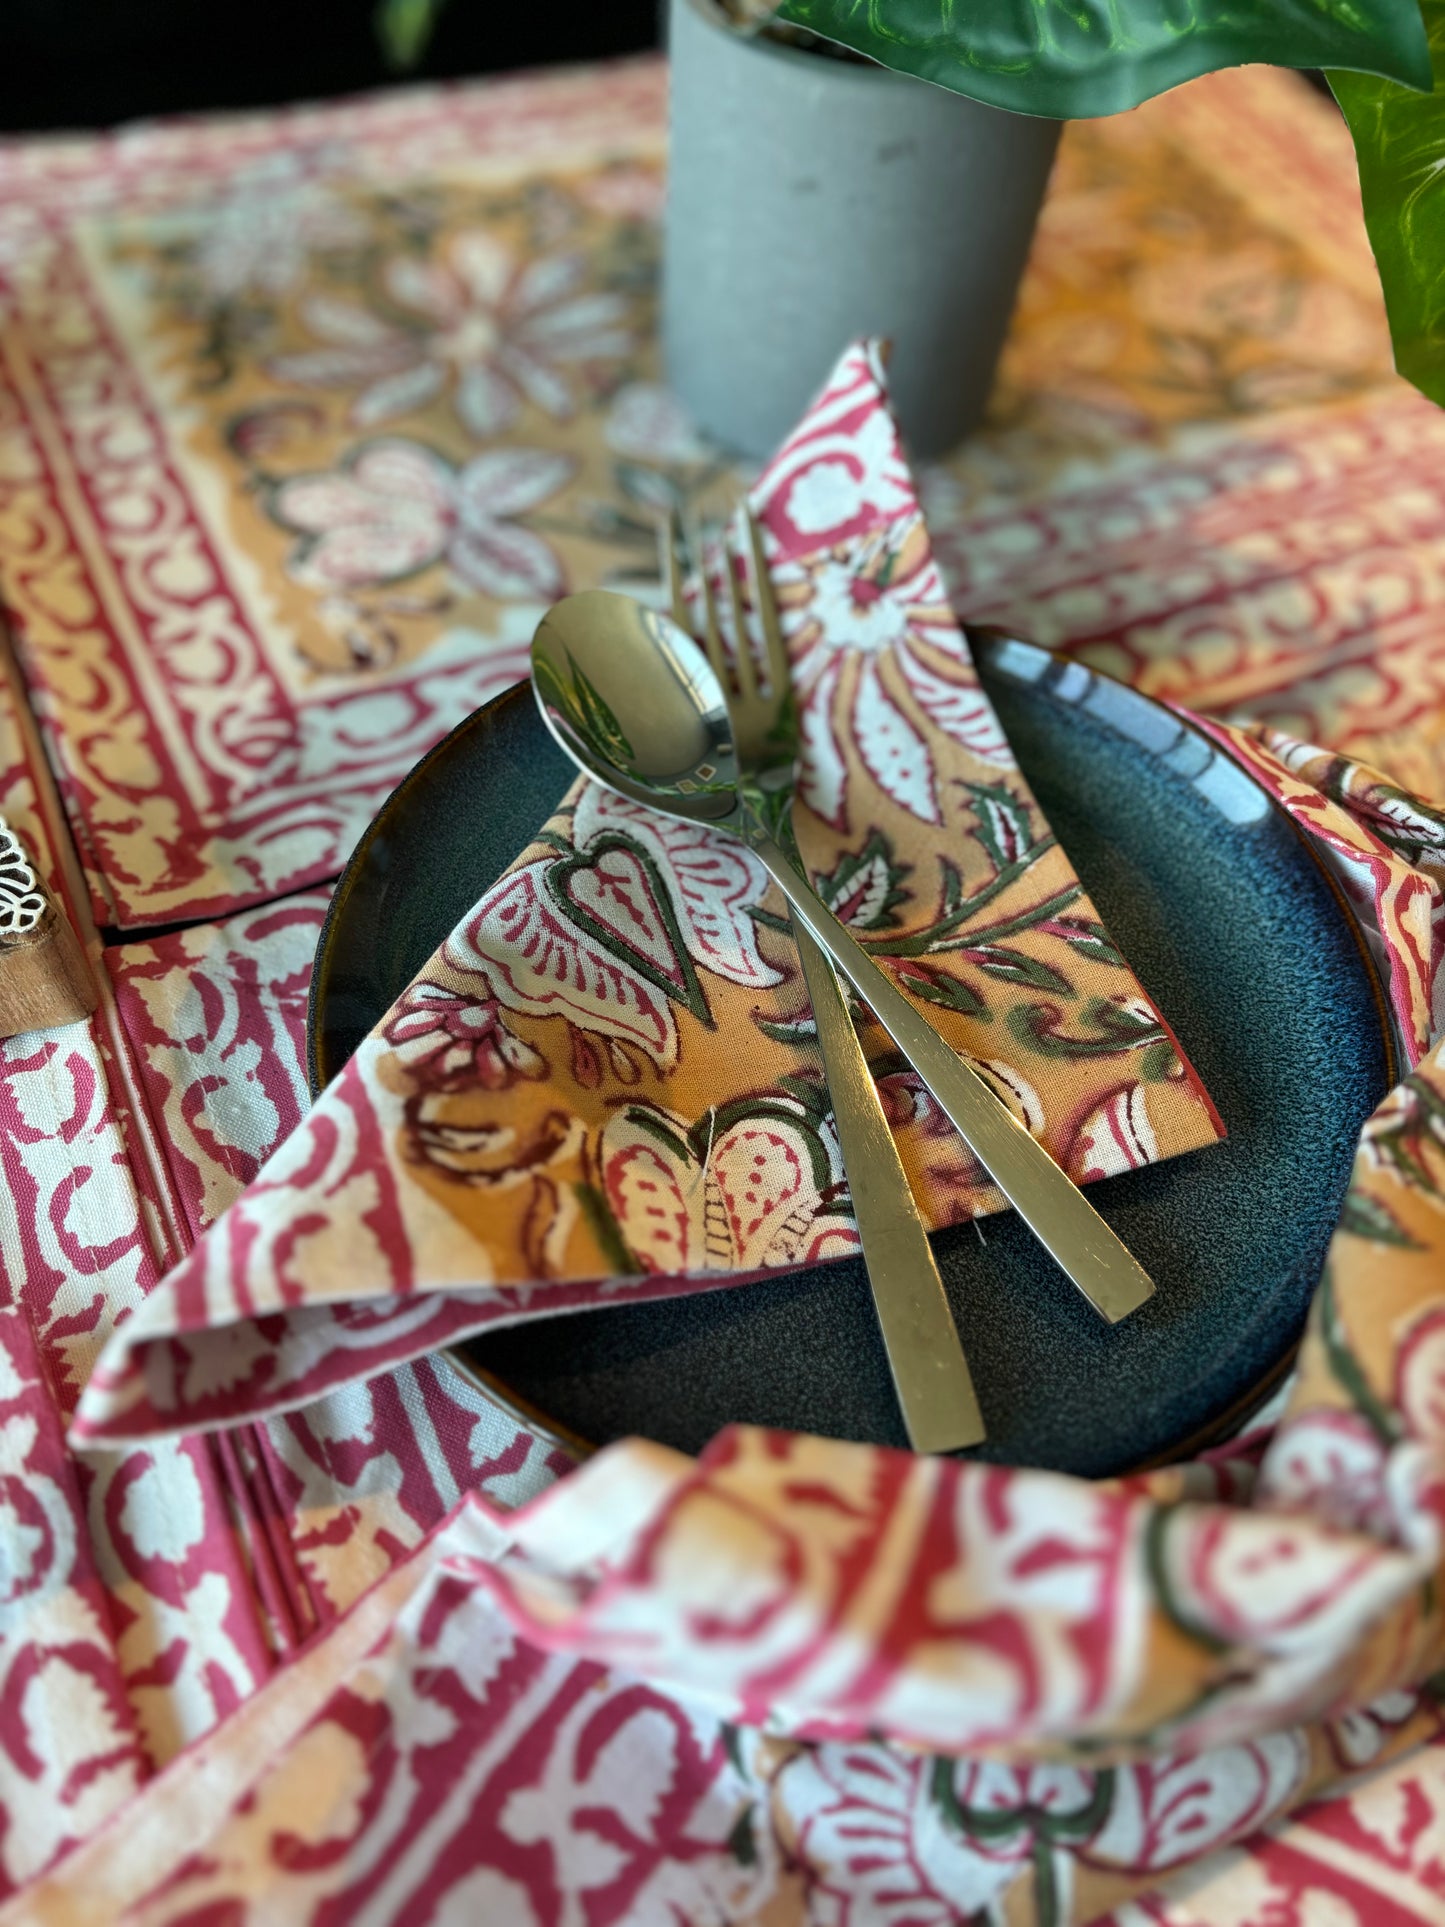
930,1373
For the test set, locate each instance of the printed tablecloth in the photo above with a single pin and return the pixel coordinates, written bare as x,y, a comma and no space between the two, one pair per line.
230,349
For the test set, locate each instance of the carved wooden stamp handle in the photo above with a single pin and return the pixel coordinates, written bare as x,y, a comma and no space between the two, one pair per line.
45,977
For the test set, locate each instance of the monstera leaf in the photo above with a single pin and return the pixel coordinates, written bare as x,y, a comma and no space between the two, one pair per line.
1400,145
1073,58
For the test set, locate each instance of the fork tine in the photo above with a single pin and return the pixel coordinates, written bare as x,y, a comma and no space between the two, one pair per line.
746,668
711,635
765,600
669,539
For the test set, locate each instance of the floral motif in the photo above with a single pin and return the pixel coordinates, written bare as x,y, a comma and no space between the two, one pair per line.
259,236
866,887
494,331
441,1036
878,660
1171,1809
579,1797
647,423
394,507
1267,1580
490,1156
1332,1463
874,1844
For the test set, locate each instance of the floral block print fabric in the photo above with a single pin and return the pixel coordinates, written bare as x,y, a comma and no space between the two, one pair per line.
85,1232
556,1101
1387,854
1371,1857
1285,573
1266,565
1200,472
926,1600
422,1764
302,422
1088,1687
303,418
214,1017
68,1739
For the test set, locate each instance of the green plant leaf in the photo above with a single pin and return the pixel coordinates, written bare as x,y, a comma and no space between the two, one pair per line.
1069,59
1400,146
404,28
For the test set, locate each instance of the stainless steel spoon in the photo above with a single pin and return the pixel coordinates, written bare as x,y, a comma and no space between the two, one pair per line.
634,702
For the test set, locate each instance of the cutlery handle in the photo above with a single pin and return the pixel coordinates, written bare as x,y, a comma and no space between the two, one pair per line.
1051,1205
930,1373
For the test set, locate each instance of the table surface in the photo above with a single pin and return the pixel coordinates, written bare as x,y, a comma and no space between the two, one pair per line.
228,350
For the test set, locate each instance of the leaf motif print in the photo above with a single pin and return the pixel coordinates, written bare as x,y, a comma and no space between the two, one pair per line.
1005,823
865,887
1114,1025
1406,1136
998,960
716,881
615,893
937,987
1089,938
771,1176
609,932
760,1184
1168,1810
538,961
653,1186
1371,1218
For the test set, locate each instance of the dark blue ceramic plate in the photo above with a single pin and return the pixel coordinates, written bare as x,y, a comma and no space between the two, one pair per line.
1231,925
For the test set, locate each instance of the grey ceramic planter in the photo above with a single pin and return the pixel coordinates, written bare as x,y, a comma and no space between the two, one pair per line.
812,200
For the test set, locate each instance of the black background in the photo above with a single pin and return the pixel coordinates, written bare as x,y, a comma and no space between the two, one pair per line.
91,63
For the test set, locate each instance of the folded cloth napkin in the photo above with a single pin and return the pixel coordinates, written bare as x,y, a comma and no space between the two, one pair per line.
1196,1652
605,1083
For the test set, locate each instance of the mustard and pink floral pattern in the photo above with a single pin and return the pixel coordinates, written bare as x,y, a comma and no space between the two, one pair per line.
327,418
353,1724
195,319
563,1100
68,1736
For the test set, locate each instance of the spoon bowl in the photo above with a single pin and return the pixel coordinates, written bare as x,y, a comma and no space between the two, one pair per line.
633,699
